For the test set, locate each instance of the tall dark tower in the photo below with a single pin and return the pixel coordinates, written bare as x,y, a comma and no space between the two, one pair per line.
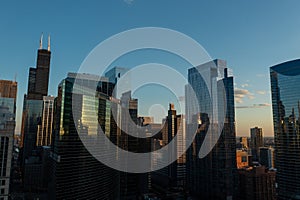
38,79
33,101
212,177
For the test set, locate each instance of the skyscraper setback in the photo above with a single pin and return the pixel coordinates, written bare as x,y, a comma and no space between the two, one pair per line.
39,77
32,116
285,87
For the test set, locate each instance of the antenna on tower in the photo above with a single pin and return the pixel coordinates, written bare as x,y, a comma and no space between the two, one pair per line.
49,42
41,41
16,77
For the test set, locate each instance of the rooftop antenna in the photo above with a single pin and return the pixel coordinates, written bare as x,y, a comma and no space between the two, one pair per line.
16,77
41,41
49,42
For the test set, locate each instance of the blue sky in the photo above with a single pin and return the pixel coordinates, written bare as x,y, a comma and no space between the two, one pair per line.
250,35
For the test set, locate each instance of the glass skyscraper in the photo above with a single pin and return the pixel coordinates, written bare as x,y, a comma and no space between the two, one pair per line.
75,173
285,87
211,177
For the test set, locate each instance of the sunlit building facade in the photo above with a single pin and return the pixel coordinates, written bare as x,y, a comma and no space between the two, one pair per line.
45,128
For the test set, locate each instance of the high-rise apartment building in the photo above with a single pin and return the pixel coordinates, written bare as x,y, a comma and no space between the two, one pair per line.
285,87
212,177
257,141
7,128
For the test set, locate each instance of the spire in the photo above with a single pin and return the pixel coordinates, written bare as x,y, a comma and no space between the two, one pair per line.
49,42
41,41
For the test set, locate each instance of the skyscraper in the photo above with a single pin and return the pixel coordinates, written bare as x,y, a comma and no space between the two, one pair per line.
75,173
285,87
257,141
132,185
212,177
266,157
7,129
32,115
175,173
114,75
39,77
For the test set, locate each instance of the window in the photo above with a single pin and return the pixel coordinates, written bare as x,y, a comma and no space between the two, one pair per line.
244,158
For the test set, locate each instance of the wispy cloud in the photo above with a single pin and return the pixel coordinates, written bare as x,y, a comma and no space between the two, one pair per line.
240,94
245,85
262,92
261,105
129,2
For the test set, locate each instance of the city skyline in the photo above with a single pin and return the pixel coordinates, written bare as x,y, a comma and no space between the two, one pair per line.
249,49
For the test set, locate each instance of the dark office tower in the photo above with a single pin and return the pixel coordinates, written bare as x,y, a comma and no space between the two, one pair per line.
114,75
172,131
285,87
39,77
174,175
212,177
75,173
256,141
7,129
132,185
266,157
257,183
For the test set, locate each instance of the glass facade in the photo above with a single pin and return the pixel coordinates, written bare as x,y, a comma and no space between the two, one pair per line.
213,176
285,87
75,173
7,129
32,118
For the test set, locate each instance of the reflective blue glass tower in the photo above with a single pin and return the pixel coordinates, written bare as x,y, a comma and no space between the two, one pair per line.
285,86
